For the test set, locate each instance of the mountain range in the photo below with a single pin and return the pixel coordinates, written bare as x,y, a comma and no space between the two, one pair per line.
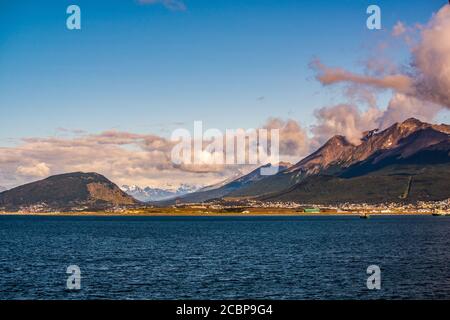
407,162
228,187
148,194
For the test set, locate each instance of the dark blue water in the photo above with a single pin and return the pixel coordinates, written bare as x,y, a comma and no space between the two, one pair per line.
224,257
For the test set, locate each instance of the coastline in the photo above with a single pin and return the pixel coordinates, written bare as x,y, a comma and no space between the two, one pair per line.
218,214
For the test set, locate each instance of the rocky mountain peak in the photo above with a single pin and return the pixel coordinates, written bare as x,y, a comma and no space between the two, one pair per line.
70,191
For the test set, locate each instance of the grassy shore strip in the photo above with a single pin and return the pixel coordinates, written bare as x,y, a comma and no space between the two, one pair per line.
211,214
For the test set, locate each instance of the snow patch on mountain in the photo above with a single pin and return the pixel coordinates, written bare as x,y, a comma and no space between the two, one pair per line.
157,194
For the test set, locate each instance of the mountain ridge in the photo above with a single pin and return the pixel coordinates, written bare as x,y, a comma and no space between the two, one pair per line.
407,162
69,191
149,194
380,167
228,186
339,158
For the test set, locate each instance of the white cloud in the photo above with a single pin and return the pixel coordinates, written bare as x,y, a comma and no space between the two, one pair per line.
38,170
429,77
343,119
432,60
422,90
124,157
176,5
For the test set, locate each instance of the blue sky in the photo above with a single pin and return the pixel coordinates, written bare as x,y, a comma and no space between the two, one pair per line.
146,68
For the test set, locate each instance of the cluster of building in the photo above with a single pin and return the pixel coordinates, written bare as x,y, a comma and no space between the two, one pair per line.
380,208
396,207
248,205
36,208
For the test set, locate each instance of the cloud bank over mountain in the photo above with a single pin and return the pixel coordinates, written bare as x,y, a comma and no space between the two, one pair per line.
126,158
420,90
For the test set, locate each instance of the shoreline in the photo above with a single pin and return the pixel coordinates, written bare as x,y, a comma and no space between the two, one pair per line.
219,214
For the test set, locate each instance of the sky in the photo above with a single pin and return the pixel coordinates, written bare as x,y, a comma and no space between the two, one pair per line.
142,68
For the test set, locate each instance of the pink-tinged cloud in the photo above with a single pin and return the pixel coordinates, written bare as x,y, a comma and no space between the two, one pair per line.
422,92
329,76
128,158
294,139
343,119
402,106
432,60
399,29
429,76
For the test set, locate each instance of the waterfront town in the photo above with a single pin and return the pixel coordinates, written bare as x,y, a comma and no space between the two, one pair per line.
251,207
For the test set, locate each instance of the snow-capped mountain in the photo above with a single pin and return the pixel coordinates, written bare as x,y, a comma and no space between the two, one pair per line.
157,194
2,189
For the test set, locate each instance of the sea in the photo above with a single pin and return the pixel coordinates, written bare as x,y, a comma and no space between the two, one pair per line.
257,257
